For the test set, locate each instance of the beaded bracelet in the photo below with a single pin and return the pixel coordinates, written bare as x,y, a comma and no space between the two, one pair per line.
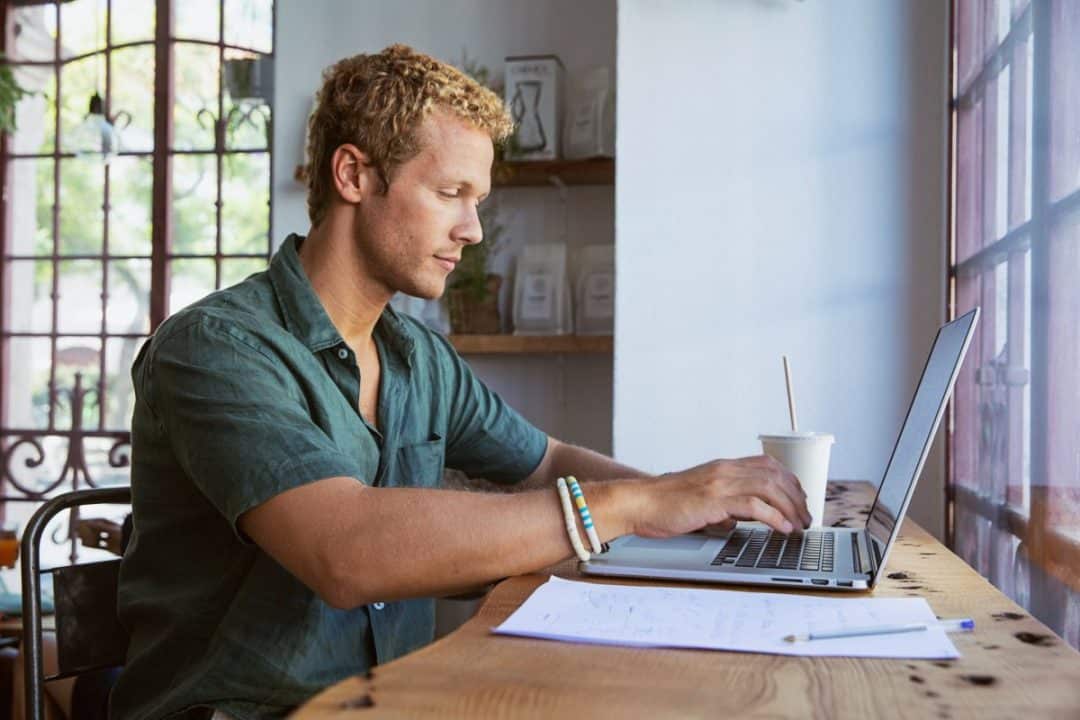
586,516
571,521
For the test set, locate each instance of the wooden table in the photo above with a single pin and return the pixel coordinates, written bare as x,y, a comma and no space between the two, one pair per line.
1012,666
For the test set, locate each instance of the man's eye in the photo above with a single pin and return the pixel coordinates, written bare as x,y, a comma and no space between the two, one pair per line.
450,193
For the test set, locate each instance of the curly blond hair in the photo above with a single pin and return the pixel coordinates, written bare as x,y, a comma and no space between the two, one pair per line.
377,102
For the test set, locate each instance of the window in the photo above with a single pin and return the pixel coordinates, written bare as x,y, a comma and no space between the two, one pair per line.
100,241
1014,441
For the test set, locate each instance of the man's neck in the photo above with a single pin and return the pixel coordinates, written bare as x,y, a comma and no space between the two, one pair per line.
338,275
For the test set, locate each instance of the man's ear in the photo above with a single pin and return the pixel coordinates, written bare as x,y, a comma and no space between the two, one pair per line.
354,177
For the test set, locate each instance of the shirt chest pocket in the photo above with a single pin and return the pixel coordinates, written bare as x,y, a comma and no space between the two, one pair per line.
420,464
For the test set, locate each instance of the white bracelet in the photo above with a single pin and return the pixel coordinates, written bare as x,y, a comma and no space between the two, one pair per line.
586,516
571,521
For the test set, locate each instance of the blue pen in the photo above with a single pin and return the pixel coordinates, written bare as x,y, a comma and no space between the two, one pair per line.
952,625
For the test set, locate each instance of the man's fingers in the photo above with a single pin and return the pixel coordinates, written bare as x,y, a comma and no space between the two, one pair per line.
773,492
754,508
790,485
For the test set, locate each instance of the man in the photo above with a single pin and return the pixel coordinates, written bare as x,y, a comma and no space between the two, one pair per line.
290,432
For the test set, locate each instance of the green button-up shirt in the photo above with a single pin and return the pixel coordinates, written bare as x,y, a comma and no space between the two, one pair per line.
244,395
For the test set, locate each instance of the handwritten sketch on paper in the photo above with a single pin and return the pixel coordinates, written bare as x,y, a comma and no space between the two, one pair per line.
723,620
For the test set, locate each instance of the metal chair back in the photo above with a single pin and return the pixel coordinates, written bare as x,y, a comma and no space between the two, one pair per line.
88,633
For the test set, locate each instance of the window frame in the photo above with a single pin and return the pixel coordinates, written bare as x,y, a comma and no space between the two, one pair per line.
1055,552
165,40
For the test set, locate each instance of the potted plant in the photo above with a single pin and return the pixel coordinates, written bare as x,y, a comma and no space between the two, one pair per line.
473,293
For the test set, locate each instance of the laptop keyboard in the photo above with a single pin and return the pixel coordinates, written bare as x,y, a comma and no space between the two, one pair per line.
810,550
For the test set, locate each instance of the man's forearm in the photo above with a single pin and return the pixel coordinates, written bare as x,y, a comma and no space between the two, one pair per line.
564,459
405,542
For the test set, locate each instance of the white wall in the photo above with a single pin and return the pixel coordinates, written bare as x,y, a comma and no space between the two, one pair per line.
781,189
570,397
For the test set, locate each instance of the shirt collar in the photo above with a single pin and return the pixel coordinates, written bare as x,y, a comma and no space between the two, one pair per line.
304,314
306,318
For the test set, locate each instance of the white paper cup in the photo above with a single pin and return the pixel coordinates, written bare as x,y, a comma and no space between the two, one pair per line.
806,455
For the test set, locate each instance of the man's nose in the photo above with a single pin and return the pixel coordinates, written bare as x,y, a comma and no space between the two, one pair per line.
470,230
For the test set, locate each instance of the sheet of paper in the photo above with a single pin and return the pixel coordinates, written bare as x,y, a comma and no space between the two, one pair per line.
723,620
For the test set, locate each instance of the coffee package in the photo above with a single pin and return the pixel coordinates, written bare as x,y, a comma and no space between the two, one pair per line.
594,297
541,291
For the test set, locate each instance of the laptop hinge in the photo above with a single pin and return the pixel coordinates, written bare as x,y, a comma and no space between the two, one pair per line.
866,559
875,554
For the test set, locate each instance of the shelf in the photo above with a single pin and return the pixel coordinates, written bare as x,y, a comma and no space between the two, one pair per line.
597,171
531,344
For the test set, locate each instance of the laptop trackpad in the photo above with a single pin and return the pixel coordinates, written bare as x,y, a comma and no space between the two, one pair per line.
679,542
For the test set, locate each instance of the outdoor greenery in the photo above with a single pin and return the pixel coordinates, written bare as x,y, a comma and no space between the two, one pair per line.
10,94
84,211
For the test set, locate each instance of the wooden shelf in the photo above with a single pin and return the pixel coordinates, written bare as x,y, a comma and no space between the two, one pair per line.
531,344
597,171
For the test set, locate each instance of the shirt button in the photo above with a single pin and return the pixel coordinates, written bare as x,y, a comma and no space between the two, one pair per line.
343,354
379,605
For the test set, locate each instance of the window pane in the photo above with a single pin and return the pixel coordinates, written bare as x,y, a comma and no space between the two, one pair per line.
82,27
968,169
233,270
245,210
80,296
35,115
1028,125
1063,413
81,216
1064,98
198,19
133,20
1003,12
30,188
29,283
79,80
128,306
194,196
196,109
1001,155
27,393
132,88
968,36
119,394
103,474
988,220
80,355
248,125
250,23
1017,377
966,395
189,280
32,32
131,181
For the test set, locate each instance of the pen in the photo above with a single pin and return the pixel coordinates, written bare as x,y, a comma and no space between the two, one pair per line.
952,625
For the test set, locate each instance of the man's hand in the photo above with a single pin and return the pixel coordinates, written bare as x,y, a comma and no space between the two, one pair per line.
718,493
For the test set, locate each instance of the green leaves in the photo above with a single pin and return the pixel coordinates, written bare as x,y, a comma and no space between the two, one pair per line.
10,94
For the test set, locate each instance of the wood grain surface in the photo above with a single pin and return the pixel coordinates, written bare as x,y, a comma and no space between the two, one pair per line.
1012,666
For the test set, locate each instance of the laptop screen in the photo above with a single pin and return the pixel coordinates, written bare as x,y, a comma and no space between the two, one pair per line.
923,417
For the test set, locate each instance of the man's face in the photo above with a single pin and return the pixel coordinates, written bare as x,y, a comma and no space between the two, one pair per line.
412,237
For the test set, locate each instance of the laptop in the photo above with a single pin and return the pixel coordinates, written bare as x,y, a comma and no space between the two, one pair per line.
831,558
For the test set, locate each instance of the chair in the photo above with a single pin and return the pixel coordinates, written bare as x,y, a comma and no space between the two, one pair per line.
88,633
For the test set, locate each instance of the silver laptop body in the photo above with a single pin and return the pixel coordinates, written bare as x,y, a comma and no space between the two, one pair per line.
831,558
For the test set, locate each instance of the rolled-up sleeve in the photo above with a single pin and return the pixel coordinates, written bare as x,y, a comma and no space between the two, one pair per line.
486,437
236,420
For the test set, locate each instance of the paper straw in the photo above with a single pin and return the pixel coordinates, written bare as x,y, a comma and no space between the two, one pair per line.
790,396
